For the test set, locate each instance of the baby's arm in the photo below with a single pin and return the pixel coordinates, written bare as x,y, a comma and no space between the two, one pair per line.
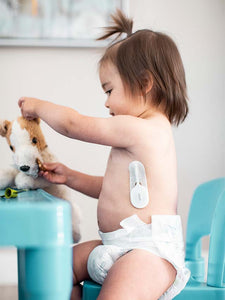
118,131
86,184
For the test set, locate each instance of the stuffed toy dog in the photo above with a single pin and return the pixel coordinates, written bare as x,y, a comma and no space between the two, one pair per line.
30,151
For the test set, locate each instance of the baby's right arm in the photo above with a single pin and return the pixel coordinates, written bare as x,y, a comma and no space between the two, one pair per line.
120,131
86,184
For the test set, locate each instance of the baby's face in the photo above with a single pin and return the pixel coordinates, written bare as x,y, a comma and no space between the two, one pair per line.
118,101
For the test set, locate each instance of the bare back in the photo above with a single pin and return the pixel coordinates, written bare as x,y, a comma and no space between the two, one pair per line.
154,147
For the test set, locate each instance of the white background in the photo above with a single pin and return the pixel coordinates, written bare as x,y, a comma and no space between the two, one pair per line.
70,77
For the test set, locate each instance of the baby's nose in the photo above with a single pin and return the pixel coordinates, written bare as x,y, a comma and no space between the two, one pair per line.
107,104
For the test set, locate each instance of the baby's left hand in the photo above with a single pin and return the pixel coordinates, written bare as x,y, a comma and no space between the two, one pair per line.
28,107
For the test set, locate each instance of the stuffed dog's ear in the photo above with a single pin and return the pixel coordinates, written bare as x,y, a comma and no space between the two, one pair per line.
4,127
38,120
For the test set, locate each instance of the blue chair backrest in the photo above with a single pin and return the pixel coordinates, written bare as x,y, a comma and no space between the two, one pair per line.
202,209
216,261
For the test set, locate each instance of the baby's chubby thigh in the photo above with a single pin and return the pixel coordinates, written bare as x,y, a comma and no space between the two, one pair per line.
139,274
81,253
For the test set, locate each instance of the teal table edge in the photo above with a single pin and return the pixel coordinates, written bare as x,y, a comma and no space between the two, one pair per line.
34,218
39,226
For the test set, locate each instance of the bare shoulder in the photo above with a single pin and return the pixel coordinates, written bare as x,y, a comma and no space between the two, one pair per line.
128,131
154,131
139,125
160,128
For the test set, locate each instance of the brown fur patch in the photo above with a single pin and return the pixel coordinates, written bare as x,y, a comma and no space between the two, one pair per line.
34,130
4,127
8,133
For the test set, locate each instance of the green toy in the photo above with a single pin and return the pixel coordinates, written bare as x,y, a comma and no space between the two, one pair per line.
11,193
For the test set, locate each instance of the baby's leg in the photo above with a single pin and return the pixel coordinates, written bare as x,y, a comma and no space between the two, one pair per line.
80,273
137,275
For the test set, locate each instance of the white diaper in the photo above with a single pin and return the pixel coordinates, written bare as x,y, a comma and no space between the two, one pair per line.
163,237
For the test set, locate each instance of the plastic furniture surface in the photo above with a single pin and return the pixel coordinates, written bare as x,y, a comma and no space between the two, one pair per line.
201,214
206,216
39,226
91,290
214,287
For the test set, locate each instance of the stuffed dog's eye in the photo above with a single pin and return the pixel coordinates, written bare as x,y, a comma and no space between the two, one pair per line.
11,147
34,140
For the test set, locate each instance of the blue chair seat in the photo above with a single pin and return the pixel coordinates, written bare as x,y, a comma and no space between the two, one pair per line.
201,291
91,290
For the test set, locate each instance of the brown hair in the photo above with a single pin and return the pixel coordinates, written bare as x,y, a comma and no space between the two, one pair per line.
146,55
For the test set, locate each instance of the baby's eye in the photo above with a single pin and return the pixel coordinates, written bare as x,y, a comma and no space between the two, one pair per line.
109,92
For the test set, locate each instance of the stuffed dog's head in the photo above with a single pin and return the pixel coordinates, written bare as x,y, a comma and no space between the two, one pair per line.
26,142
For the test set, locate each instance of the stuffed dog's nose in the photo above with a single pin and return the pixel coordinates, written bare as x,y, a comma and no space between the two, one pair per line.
24,168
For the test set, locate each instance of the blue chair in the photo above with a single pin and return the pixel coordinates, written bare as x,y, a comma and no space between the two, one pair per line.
39,226
206,216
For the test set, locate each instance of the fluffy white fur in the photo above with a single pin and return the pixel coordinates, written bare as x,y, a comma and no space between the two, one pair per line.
25,154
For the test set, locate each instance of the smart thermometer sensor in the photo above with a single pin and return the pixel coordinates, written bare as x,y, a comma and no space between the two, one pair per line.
138,185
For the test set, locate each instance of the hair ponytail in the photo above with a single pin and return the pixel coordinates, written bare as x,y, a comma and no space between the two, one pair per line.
121,24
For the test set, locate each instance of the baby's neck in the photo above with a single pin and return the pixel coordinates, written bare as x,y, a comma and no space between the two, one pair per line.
150,113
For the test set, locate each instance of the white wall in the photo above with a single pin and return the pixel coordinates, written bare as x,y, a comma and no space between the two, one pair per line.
69,77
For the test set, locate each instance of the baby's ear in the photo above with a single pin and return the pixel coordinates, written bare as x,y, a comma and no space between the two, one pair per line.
146,81
4,127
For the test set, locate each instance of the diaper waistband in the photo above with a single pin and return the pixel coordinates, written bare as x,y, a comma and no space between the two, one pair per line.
132,222
162,226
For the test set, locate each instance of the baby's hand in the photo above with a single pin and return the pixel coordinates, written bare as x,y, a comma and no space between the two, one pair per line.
54,173
28,107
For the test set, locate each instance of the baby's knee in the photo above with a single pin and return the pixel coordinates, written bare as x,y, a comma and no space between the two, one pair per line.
101,260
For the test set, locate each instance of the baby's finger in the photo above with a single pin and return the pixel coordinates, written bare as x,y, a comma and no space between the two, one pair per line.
40,173
50,177
47,175
50,166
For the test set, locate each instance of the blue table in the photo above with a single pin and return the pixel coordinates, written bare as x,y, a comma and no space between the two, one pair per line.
39,226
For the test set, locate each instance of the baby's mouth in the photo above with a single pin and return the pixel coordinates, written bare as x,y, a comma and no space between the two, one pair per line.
112,114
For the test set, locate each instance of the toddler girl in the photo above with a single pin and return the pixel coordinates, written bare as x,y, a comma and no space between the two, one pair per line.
140,254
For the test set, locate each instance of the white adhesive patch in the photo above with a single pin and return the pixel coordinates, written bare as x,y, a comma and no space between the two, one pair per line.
138,185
